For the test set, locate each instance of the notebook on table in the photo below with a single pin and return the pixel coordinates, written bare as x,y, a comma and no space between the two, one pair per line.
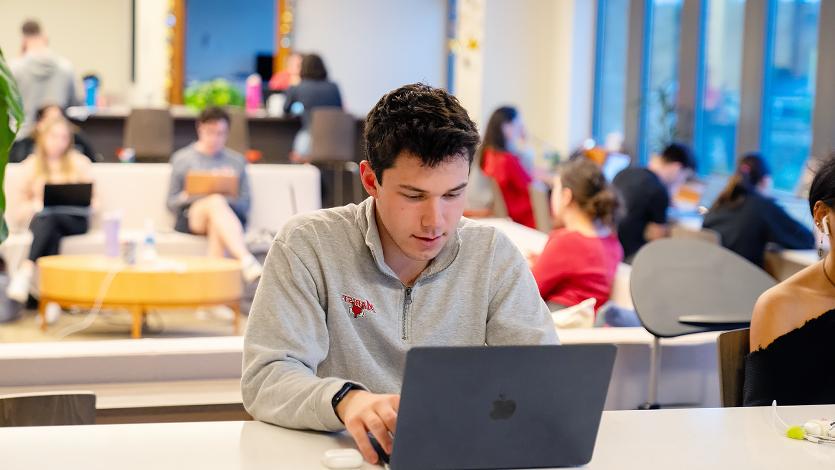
202,183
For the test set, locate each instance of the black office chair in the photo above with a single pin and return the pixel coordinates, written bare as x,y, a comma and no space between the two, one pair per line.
684,286
238,130
332,143
150,133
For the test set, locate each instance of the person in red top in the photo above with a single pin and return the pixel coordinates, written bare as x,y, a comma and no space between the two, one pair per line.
581,257
501,160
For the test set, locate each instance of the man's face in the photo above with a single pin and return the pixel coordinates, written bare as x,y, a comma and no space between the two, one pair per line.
212,135
672,174
419,207
678,175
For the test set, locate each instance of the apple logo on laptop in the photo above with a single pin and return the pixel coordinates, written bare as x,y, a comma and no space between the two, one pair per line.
503,408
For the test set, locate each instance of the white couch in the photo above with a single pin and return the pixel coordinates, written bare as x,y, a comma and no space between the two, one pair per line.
139,191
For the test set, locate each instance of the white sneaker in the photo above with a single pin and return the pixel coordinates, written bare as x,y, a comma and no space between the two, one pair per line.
218,312
18,288
251,270
52,312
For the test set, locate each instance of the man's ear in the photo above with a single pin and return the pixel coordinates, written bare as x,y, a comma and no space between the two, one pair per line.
369,179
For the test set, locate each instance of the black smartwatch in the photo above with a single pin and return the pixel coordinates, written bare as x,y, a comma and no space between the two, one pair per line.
342,393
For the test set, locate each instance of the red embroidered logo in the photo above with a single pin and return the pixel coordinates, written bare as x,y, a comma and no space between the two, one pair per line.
357,307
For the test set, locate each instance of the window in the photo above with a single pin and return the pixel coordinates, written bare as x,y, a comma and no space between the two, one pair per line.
215,45
661,78
451,21
715,143
610,69
791,58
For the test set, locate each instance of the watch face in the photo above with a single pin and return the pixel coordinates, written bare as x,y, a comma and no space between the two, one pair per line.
342,392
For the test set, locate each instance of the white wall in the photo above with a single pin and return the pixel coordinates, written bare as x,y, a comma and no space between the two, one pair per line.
93,34
469,56
539,56
373,46
152,65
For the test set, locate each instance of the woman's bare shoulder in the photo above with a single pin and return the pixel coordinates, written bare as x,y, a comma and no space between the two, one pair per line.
782,308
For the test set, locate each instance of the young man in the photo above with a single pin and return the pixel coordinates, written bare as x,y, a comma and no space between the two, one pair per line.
646,194
347,291
221,217
42,76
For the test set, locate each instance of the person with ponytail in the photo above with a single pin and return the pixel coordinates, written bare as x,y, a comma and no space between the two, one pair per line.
581,257
502,158
747,219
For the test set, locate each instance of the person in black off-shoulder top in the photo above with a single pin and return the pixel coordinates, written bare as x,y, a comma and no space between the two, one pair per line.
792,358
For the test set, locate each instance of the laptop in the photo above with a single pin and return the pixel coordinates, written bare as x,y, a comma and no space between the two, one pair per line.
501,407
75,194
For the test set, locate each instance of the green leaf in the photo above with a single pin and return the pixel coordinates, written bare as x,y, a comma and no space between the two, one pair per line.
11,116
217,92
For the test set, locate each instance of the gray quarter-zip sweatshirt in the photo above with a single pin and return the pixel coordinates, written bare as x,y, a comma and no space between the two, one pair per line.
328,310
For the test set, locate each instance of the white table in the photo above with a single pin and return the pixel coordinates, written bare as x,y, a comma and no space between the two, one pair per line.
112,361
733,438
529,241
154,373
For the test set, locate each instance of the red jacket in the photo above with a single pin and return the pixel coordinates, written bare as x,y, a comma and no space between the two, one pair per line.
513,180
574,267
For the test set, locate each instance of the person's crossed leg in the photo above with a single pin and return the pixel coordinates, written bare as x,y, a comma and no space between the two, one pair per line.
212,216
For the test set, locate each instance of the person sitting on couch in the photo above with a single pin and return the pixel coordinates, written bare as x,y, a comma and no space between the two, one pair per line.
54,161
210,205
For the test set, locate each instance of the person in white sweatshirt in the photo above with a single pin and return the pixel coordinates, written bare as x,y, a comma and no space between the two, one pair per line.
346,292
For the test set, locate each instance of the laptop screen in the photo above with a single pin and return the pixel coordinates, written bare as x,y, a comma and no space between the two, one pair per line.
76,195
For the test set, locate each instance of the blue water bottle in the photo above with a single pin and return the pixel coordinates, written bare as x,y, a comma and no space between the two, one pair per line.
91,88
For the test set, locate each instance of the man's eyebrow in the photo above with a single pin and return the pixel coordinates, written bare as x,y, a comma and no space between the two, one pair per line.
423,191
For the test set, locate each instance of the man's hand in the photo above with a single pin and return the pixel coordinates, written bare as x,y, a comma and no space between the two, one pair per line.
364,412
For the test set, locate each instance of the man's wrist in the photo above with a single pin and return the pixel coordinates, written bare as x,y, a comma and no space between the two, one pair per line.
342,397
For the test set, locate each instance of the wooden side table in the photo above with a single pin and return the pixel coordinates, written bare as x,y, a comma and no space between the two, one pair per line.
79,280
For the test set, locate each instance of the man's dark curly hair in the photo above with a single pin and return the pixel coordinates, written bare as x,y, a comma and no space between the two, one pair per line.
424,121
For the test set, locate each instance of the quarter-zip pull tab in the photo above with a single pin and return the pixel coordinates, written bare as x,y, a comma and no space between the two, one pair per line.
406,302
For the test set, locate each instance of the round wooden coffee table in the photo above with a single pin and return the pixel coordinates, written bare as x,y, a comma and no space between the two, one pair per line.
79,280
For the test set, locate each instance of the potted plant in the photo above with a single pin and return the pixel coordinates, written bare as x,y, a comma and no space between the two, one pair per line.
218,92
11,115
